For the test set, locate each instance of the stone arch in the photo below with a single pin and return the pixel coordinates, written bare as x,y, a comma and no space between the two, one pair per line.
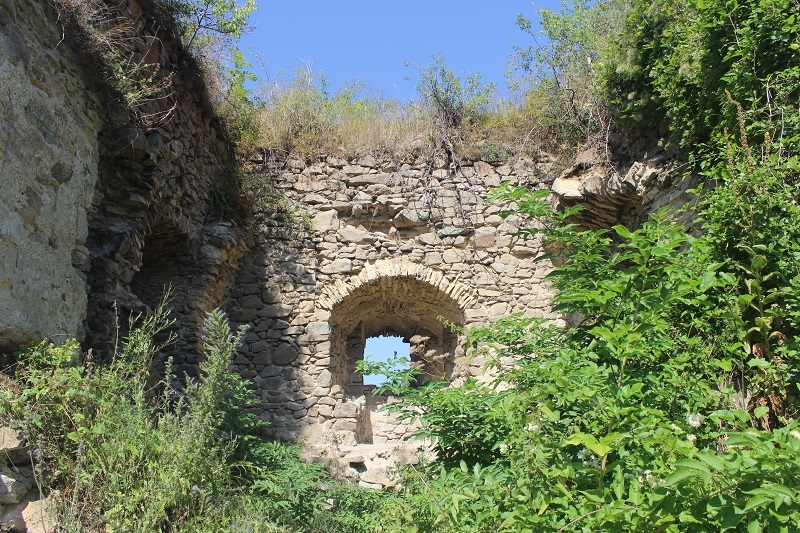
395,298
334,294
166,256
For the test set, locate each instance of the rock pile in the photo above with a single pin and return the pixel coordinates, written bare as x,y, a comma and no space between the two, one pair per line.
22,508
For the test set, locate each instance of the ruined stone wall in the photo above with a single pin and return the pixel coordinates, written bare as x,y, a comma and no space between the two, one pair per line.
154,224
401,247
398,247
50,118
103,207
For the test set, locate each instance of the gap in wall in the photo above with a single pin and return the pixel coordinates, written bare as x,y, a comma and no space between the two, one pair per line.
381,349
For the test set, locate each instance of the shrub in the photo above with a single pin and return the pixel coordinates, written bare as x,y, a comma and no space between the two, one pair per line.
688,61
121,455
640,416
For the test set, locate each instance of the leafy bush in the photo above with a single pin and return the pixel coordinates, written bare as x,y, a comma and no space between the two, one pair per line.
122,455
560,74
704,64
639,417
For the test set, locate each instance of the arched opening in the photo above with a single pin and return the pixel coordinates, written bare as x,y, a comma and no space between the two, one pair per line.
169,263
420,313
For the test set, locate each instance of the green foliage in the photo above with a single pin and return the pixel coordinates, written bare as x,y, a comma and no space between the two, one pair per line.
203,23
560,70
704,65
398,370
643,415
761,252
122,456
127,453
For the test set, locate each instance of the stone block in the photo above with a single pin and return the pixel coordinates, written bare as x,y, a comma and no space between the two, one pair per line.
324,379
29,515
271,371
262,358
355,235
338,266
433,258
259,346
271,295
498,310
326,221
275,311
12,447
345,425
370,179
484,237
451,256
376,476
284,354
346,410
494,220
568,188
12,488
243,316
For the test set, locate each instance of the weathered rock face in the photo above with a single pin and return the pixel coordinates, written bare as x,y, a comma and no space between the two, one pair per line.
613,192
50,152
400,247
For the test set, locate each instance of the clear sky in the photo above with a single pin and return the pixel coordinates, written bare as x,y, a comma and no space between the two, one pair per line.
382,349
370,39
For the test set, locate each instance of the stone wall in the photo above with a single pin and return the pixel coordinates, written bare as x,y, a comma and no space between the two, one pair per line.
154,224
104,207
406,248
395,247
50,152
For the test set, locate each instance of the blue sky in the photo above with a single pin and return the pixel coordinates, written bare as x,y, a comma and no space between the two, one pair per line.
351,39
381,349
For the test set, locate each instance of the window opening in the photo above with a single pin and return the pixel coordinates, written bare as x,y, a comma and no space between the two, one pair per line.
382,349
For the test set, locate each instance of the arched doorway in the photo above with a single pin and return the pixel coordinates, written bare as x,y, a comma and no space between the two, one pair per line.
425,311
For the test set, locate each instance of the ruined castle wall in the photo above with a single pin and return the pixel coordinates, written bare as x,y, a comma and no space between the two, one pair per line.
105,206
49,154
399,247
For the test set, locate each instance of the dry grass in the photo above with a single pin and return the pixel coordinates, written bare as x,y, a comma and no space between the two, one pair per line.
300,117
139,88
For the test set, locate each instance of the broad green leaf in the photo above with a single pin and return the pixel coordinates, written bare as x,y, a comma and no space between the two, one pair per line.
758,363
759,412
622,231
724,364
691,463
714,461
590,442
679,475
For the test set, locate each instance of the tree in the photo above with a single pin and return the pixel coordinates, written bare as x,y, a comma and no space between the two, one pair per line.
205,23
